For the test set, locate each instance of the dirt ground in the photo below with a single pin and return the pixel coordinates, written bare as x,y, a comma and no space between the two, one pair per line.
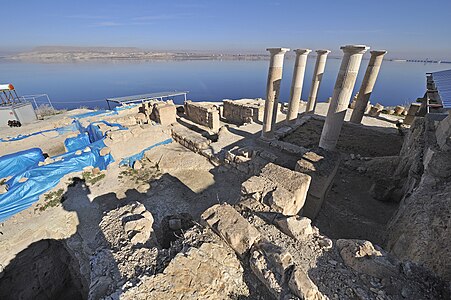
356,139
349,211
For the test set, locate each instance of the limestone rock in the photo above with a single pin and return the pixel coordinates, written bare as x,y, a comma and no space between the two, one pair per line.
257,186
203,113
95,171
295,226
288,147
232,227
164,113
269,263
131,223
105,151
303,287
279,188
399,110
137,165
48,160
364,257
138,227
243,110
3,189
23,179
210,272
288,182
322,166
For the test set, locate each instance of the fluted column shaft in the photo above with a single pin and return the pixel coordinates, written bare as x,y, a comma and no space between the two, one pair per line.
317,77
344,85
296,84
273,90
367,86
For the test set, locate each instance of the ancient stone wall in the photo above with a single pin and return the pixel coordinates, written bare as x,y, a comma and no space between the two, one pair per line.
205,114
244,110
420,230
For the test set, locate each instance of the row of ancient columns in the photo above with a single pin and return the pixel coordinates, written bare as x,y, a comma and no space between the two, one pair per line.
347,75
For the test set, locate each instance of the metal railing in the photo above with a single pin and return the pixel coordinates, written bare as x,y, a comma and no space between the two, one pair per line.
37,100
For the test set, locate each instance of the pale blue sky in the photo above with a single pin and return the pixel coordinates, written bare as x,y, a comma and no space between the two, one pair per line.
409,29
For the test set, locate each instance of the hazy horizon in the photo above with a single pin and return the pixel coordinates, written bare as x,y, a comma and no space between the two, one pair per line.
251,26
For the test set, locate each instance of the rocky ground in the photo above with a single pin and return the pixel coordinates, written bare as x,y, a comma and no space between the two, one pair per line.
191,222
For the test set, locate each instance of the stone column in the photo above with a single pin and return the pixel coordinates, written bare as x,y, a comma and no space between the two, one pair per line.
317,77
344,85
367,85
296,84
272,90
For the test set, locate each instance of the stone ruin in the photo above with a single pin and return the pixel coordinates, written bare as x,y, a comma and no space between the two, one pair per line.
251,232
243,111
206,114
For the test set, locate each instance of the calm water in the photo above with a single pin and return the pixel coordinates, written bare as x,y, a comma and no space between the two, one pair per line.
73,85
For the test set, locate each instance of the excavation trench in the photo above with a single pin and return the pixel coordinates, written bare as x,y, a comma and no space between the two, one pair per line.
44,270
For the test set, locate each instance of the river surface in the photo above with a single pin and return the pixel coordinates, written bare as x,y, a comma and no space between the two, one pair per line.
72,85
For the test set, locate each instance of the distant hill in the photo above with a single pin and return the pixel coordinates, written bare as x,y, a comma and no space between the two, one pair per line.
71,49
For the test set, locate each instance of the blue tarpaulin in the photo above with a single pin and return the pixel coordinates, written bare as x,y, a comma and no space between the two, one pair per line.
129,161
93,113
76,143
60,130
18,162
94,131
41,179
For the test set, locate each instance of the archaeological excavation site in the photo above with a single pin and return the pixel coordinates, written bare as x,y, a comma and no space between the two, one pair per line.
269,198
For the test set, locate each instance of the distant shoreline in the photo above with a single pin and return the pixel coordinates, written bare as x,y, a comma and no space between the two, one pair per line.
57,54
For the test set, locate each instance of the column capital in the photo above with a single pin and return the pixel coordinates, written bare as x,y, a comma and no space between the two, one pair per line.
277,50
322,51
302,51
354,49
378,52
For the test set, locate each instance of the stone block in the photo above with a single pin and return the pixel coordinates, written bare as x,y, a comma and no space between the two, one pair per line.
379,107
235,230
321,165
291,190
270,263
288,147
413,109
364,257
190,139
203,113
399,109
257,187
294,226
165,113
243,110
374,112
303,287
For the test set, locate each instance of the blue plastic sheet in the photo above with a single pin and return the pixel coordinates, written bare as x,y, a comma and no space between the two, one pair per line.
76,143
60,130
94,113
43,178
40,179
94,131
18,162
129,161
